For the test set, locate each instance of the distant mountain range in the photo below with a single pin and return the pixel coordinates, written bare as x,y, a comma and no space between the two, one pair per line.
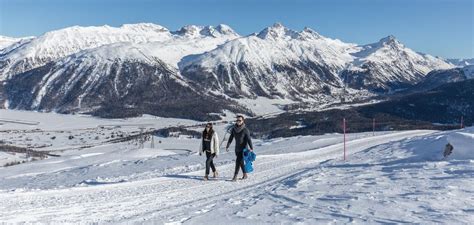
200,72
440,108
437,78
461,62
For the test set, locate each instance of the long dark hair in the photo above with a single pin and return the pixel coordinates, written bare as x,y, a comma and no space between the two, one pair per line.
206,134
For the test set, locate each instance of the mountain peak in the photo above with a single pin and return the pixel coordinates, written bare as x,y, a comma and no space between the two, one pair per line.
278,25
144,27
277,30
219,30
461,62
308,32
389,40
225,29
190,30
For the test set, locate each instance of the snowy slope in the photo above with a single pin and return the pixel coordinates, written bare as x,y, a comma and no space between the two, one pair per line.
95,81
6,41
82,81
85,80
168,194
388,64
189,41
11,43
276,45
461,62
392,177
54,121
282,63
277,62
390,50
437,78
52,132
469,71
59,43
394,182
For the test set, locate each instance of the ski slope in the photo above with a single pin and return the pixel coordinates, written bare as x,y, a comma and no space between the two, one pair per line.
389,177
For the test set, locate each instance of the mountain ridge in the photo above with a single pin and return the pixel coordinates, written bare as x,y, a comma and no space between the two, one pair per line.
275,63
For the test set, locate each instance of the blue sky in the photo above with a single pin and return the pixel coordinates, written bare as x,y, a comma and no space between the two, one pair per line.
439,27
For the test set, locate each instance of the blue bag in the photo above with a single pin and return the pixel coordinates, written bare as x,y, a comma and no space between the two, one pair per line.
249,157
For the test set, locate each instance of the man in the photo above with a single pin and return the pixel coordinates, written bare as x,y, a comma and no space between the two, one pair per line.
242,139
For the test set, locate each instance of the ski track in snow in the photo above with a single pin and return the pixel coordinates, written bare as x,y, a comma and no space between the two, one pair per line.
183,197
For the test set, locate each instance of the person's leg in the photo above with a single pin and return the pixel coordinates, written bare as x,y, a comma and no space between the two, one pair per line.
237,165
238,162
213,167
242,165
212,163
208,162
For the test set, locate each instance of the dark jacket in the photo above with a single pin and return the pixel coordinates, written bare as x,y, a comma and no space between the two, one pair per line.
242,138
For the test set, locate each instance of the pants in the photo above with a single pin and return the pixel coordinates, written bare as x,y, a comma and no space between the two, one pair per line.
210,162
239,162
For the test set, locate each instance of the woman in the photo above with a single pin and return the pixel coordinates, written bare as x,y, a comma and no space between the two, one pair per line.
210,145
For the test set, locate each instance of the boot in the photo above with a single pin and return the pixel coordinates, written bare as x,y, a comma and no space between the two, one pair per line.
235,178
206,178
215,174
244,176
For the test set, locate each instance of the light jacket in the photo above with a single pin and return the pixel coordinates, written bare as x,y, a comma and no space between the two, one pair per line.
214,145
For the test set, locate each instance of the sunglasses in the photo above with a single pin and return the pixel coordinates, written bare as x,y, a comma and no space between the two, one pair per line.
239,120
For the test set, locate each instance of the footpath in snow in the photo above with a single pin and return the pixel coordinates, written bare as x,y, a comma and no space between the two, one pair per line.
392,177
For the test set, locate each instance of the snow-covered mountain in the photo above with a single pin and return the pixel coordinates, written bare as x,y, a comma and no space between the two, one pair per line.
87,68
9,43
279,62
6,42
388,64
60,43
141,76
117,77
461,62
439,77
469,71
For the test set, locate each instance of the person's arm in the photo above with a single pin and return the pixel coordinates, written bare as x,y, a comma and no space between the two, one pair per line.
201,148
249,139
216,144
230,139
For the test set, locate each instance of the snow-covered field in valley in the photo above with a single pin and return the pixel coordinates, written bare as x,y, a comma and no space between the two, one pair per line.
388,177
